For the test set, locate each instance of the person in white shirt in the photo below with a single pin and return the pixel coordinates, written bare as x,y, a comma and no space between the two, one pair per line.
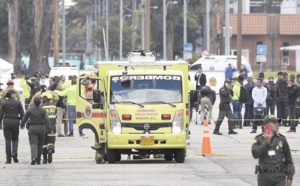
259,95
44,80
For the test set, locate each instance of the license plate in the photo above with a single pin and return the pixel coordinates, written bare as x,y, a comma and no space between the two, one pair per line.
149,140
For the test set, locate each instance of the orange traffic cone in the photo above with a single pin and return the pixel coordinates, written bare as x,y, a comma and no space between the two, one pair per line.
206,145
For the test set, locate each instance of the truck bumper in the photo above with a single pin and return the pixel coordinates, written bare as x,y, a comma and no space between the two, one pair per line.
132,141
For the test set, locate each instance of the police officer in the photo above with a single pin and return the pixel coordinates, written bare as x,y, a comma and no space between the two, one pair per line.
36,129
12,111
276,166
34,84
225,109
48,147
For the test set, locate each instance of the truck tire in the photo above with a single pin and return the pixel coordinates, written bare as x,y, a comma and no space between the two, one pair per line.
111,156
118,157
168,157
179,155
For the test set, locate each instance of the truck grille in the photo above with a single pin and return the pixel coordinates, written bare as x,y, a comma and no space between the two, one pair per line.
140,126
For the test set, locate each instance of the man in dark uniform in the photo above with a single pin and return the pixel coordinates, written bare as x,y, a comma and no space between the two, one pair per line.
225,109
34,85
11,112
36,129
48,147
276,166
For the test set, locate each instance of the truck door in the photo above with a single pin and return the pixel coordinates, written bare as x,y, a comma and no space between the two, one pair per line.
89,112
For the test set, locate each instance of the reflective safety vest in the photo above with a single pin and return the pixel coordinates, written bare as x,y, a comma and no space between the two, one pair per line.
51,111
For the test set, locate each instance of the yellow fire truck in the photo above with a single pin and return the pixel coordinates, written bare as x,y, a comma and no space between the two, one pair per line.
138,107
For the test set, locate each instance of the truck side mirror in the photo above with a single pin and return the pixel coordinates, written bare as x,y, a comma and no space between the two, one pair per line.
96,96
97,99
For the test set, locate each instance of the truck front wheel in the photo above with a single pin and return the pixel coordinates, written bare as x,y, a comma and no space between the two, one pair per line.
111,156
179,155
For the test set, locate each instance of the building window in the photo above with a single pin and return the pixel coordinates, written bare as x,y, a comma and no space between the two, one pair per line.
257,43
285,60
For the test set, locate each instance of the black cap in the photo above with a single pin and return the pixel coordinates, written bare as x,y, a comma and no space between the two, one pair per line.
271,119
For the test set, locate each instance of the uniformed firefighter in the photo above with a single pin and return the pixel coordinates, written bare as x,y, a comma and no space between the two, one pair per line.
11,113
48,147
36,129
275,164
225,109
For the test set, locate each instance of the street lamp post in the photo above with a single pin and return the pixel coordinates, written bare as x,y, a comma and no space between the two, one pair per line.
121,35
165,13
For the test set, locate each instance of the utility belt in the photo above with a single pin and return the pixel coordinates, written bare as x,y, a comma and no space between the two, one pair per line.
270,169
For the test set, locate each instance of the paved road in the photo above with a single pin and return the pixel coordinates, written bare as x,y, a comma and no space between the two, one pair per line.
231,165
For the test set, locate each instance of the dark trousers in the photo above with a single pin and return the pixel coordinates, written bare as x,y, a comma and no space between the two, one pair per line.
27,101
222,114
282,109
297,113
258,120
248,116
274,179
270,107
11,135
50,136
237,111
36,135
292,115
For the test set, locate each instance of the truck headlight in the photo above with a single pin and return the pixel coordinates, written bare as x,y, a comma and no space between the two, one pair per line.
115,124
177,122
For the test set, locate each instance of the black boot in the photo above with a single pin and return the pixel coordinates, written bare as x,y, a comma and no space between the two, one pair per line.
45,159
232,132
49,155
33,161
15,157
217,132
8,160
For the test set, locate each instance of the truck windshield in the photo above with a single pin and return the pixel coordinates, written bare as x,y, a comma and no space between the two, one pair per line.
147,89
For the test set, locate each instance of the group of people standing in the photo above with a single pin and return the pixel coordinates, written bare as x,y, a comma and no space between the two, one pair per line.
44,104
260,98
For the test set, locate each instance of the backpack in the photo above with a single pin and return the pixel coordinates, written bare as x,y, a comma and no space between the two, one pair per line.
244,95
194,96
271,92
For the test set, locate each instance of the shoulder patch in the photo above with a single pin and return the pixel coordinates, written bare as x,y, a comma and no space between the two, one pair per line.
254,141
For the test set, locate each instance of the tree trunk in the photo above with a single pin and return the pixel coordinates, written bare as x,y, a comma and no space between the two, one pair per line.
43,13
215,39
14,35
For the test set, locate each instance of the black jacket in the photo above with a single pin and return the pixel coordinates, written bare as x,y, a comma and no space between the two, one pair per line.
201,80
293,93
282,157
35,87
225,98
11,109
281,87
37,116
